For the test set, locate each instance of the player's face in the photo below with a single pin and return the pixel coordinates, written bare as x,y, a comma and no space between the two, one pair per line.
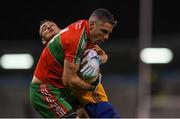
100,31
48,30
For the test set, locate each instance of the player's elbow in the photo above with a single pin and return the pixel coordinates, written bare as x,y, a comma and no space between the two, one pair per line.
104,59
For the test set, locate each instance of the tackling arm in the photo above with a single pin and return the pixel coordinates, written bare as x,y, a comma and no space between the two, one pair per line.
103,57
71,79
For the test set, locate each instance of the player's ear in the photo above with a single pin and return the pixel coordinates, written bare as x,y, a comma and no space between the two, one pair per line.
92,23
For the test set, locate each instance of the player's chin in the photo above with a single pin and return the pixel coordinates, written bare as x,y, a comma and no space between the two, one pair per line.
50,36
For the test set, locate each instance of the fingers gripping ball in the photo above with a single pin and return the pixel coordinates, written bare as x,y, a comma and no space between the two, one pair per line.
89,54
89,68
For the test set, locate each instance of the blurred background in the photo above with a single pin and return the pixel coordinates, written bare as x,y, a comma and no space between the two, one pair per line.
135,88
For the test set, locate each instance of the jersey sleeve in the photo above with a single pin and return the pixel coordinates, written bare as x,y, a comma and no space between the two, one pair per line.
75,41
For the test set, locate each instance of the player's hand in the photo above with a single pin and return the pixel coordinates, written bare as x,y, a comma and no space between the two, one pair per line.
91,68
89,54
103,57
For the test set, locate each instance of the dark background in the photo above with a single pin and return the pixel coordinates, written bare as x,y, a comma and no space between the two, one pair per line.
25,16
19,25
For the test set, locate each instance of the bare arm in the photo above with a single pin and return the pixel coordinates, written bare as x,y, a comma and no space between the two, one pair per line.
71,79
101,53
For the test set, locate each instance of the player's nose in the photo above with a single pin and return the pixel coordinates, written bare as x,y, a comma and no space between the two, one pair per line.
48,26
106,36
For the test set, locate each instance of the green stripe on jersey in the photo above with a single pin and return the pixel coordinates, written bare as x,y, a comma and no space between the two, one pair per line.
55,47
81,47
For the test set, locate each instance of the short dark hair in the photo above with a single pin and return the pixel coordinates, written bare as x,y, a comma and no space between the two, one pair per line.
104,15
43,21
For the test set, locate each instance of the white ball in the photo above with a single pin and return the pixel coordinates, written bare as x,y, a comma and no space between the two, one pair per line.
89,78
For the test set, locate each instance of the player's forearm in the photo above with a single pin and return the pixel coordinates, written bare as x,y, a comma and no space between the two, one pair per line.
71,79
77,82
103,58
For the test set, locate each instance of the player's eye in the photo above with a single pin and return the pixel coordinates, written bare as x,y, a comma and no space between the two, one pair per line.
44,28
51,25
104,31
